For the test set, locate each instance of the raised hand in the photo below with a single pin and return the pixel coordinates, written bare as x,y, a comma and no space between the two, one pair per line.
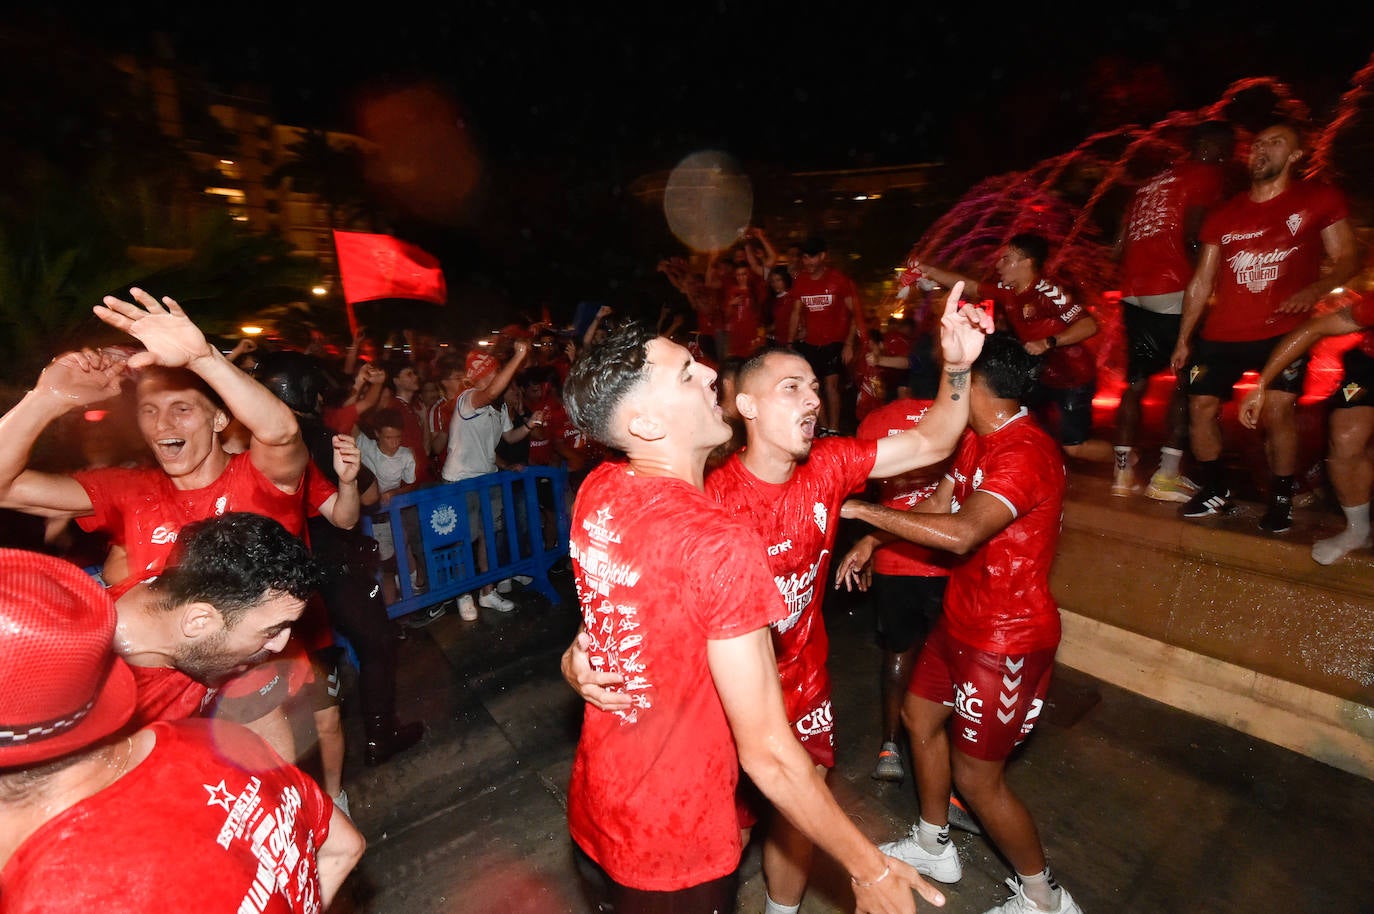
168,335
85,376
346,458
962,331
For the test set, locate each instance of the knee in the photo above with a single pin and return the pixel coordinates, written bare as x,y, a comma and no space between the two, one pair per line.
1203,409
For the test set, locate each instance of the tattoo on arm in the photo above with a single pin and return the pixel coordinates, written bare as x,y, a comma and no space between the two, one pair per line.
958,382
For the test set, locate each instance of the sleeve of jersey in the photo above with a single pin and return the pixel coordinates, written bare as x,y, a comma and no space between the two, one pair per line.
856,463
1017,478
742,595
318,489
102,487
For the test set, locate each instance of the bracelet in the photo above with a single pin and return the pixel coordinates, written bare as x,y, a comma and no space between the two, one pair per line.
1051,342
887,871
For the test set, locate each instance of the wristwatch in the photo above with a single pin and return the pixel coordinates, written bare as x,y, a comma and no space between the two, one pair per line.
1051,342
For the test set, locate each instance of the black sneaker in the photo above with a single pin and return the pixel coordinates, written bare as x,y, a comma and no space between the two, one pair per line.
1207,502
1279,517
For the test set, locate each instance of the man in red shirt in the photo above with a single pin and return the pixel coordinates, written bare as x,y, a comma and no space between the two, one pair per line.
676,602
1156,250
741,305
186,816
1052,326
186,392
981,678
1268,254
825,323
405,387
1348,461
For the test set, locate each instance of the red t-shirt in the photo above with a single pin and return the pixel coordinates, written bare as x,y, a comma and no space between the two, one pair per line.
1046,310
782,318
660,570
905,492
1268,252
211,820
143,511
1154,257
413,437
999,598
798,521
165,693
742,322
341,420
824,310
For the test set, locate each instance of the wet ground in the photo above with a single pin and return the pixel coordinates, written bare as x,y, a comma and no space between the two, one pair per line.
1142,808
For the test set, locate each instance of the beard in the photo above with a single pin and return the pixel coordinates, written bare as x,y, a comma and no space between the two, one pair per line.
209,663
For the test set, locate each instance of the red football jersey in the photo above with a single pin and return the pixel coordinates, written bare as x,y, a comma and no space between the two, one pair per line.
1042,311
824,312
1154,256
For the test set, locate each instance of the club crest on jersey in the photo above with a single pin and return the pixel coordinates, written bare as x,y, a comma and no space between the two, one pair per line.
820,515
220,504
1294,222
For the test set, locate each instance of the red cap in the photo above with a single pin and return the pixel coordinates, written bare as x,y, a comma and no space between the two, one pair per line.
62,687
480,366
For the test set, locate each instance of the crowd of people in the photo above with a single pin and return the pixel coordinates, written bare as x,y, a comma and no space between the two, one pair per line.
712,460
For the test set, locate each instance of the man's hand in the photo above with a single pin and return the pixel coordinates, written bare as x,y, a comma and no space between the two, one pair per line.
83,377
892,894
1298,303
856,568
346,458
595,688
1252,407
520,349
962,331
169,336
1179,360
1037,347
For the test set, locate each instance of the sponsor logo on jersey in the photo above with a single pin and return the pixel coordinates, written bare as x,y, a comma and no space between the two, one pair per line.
967,704
817,721
780,548
163,534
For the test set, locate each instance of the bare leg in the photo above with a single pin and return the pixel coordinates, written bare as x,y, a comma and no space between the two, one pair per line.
1005,818
330,729
1281,433
787,858
925,722
1348,461
896,675
1204,431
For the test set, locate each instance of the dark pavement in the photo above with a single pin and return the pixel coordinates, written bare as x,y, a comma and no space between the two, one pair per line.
1142,808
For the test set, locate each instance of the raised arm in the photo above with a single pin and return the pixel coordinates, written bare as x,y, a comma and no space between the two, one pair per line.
173,340
961,340
70,381
745,673
497,388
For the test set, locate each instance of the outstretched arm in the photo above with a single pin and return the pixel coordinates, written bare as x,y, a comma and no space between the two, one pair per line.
1287,352
497,388
70,381
1343,262
745,673
979,519
173,340
949,279
961,340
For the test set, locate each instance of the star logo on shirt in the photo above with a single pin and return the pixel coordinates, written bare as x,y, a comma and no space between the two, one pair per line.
602,516
219,796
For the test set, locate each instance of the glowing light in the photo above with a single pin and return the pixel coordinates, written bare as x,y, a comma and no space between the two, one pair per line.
226,161
319,291
95,415
859,198
250,330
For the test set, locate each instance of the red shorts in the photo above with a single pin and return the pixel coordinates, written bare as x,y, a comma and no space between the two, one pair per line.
815,730
996,697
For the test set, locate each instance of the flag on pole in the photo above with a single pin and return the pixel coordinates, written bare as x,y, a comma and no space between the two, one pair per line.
380,266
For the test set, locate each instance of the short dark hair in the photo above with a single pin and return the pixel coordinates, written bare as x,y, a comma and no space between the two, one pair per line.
754,362
233,562
1004,365
1034,246
813,245
602,376
785,273
387,417
1295,127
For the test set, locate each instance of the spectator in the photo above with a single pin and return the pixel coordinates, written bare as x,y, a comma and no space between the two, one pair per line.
394,466
825,324
780,307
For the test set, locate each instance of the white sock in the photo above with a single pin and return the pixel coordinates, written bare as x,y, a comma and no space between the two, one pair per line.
1123,457
1354,536
1169,458
772,907
1042,889
932,838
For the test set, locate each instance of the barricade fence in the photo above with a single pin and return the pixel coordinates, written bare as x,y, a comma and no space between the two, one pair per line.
453,538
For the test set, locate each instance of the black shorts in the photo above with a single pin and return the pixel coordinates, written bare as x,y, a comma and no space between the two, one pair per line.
824,360
1075,410
1217,366
906,607
1357,381
1150,341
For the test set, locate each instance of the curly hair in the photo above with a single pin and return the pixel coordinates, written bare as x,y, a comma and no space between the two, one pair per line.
602,376
234,562
1008,370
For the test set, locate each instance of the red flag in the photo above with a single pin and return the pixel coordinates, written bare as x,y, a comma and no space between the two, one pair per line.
380,266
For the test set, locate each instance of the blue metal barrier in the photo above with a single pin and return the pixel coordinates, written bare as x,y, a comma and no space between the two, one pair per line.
519,545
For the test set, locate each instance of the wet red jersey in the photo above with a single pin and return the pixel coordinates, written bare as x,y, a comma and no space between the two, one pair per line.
1268,252
999,598
824,312
742,321
798,521
211,820
905,492
1154,257
660,569
143,511
1042,311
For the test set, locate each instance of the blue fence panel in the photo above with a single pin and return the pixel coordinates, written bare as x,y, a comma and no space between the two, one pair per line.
515,535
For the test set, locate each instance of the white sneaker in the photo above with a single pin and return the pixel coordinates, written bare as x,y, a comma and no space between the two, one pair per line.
524,580
467,610
942,867
494,600
504,586
341,801
1020,904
